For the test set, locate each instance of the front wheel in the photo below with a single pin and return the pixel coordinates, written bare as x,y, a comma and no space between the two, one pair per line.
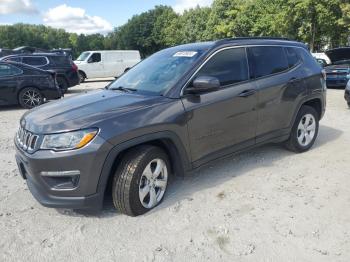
304,131
30,97
141,180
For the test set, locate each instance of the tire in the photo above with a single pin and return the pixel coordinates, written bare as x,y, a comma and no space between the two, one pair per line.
30,97
304,131
62,83
82,77
130,182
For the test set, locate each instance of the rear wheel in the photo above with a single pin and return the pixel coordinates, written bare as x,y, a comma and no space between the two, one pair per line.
30,97
304,131
82,77
63,85
141,180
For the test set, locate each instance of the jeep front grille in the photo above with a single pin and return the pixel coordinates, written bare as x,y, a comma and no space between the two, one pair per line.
27,140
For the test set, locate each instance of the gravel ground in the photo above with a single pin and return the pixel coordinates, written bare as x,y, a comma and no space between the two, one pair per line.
267,204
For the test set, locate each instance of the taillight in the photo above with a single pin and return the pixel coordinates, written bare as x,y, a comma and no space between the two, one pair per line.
74,67
324,74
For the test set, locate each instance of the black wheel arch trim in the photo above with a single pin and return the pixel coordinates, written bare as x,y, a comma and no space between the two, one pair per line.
305,100
176,150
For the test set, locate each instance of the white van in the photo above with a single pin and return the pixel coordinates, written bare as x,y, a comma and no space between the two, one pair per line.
109,63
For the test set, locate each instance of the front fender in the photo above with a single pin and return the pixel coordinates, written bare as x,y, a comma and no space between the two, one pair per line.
179,154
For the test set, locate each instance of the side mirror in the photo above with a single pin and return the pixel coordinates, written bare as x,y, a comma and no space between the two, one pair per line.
90,60
203,84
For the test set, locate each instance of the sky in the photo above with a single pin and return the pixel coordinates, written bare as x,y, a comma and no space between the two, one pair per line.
84,16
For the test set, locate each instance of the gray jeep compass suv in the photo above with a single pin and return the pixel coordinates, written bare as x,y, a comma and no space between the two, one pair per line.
173,112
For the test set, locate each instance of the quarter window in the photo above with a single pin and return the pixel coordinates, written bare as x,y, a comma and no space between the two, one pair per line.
6,70
229,66
34,60
268,60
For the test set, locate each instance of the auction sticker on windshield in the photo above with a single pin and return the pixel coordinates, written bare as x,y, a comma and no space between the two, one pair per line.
185,54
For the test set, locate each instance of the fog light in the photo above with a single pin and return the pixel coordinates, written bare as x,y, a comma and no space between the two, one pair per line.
61,180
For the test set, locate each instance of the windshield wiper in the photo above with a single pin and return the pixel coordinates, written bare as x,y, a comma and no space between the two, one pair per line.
124,89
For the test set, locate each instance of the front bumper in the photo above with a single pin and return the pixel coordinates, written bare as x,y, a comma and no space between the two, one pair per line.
48,191
347,95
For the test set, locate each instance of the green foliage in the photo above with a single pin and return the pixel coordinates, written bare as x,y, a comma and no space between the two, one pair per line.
320,23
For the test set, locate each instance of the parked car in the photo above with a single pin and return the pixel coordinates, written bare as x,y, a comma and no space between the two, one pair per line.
174,112
322,62
347,93
26,85
338,72
101,64
61,63
322,56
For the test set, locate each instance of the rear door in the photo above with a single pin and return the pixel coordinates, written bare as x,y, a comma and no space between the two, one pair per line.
279,79
224,118
8,84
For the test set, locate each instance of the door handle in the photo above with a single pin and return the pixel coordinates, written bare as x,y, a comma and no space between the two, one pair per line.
293,80
247,93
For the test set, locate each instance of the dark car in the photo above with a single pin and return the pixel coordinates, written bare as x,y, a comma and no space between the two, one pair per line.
338,72
26,85
172,113
62,64
347,93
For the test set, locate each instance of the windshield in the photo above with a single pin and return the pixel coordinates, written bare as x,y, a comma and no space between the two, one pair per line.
83,56
159,72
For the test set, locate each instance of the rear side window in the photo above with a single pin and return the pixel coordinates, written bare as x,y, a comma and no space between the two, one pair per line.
229,66
7,70
34,60
60,60
267,60
292,56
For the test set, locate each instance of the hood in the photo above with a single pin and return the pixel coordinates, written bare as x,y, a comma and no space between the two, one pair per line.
79,62
338,54
83,111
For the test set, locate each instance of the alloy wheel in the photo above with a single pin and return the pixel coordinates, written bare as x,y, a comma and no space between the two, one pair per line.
153,183
32,98
306,130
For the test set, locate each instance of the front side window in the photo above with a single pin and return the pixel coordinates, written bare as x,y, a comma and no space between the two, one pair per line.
267,60
229,66
7,70
14,59
95,58
34,60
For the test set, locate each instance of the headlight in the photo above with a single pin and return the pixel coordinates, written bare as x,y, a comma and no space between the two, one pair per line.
69,140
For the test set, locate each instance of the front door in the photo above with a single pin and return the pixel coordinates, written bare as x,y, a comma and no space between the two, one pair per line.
8,84
224,120
95,66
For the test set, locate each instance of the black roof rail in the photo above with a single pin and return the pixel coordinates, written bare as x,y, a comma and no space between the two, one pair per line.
32,50
254,38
